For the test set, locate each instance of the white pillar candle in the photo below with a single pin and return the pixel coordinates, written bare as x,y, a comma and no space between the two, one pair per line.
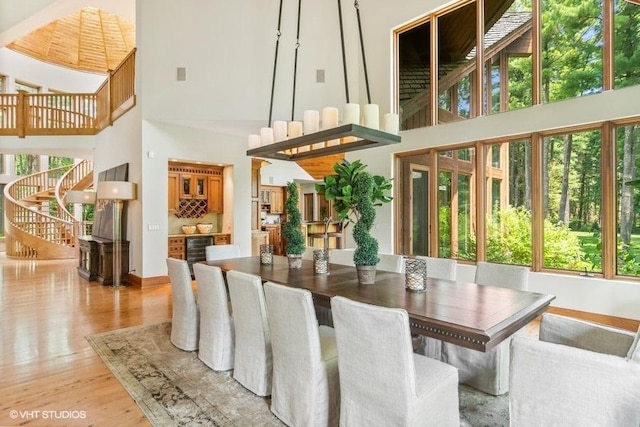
279,130
329,121
294,129
254,141
391,123
351,114
311,121
371,116
329,117
266,136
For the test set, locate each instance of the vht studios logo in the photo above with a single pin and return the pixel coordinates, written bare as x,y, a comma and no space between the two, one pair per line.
48,415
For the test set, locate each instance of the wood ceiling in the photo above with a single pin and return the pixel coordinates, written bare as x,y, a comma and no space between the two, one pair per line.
89,39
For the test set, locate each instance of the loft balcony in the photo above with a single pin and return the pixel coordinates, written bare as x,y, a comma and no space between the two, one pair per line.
24,114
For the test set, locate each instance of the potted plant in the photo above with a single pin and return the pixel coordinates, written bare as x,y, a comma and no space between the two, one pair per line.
355,194
294,238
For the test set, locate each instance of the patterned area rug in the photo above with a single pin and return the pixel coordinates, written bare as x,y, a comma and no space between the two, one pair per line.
174,388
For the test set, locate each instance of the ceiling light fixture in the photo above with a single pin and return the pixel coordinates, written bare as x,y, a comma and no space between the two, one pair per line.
312,137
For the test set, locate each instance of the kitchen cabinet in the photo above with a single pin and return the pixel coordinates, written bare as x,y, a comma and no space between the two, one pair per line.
215,199
275,237
193,186
177,248
272,199
222,239
173,194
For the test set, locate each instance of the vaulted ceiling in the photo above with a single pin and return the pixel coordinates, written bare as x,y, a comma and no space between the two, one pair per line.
89,39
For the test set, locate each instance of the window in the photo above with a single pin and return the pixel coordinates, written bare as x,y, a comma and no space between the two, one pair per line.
627,44
628,204
27,87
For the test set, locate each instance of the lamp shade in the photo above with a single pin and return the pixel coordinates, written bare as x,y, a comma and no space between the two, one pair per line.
116,190
84,197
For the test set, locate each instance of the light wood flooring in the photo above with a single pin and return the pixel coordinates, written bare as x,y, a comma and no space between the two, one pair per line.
46,365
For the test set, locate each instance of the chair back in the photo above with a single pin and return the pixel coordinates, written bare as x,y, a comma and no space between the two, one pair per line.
252,358
214,252
304,392
375,360
185,315
341,256
216,346
440,268
503,275
391,262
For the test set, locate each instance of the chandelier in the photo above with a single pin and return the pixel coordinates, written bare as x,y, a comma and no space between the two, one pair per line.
321,133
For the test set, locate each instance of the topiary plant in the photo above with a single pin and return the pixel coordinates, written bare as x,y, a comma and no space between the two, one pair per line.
355,194
291,228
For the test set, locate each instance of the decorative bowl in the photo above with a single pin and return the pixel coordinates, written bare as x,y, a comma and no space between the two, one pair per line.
204,228
188,229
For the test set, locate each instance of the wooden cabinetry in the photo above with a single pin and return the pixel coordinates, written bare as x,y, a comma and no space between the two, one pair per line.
215,194
195,190
177,247
96,260
272,199
275,237
193,186
173,194
222,239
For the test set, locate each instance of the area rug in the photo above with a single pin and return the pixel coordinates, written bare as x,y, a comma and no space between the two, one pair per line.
174,388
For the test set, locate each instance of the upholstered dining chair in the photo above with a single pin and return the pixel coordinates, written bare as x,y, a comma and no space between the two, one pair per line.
488,372
438,268
185,318
577,374
306,390
382,382
216,345
341,256
213,252
390,262
252,356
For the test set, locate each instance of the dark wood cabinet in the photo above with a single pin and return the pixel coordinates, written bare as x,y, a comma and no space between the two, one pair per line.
96,260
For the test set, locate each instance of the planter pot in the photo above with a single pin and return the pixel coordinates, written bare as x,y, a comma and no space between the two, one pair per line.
366,274
295,261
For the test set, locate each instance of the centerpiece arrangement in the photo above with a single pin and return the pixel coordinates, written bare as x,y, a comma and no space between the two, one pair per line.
294,239
355,194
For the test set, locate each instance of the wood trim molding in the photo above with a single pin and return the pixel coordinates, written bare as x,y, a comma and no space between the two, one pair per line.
618,322
143,283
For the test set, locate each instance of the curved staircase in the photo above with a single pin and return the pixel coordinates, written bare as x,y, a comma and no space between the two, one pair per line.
38,224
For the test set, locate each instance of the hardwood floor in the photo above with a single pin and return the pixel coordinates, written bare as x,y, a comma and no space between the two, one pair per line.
50,374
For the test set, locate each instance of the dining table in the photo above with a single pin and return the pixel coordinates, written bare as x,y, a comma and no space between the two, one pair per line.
467,314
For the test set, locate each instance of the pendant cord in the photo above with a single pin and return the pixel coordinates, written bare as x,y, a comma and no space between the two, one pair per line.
295,63
364,59
275,65
344,55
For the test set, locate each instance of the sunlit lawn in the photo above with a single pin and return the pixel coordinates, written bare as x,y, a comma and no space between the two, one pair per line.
591,242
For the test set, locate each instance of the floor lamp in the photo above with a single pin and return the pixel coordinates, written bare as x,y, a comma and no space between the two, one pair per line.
117,192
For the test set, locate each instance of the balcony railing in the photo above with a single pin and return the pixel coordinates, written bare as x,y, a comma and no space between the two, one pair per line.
23,114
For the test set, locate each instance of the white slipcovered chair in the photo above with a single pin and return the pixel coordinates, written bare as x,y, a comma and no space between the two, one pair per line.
578,374
341,256
306,390
487,372
213,252
185,317
252,356
216,346
382,382
390,262
438,268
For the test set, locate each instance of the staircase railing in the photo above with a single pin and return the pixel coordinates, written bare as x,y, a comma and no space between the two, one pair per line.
31,234
23,113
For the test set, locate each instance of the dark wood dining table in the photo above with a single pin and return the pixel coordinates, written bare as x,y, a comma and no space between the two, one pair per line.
467,314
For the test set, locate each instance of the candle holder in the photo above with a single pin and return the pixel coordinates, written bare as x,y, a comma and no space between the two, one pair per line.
266,254
321,261
415,275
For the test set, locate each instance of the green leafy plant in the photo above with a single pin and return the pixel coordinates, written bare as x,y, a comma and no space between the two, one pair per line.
355,194
291,228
